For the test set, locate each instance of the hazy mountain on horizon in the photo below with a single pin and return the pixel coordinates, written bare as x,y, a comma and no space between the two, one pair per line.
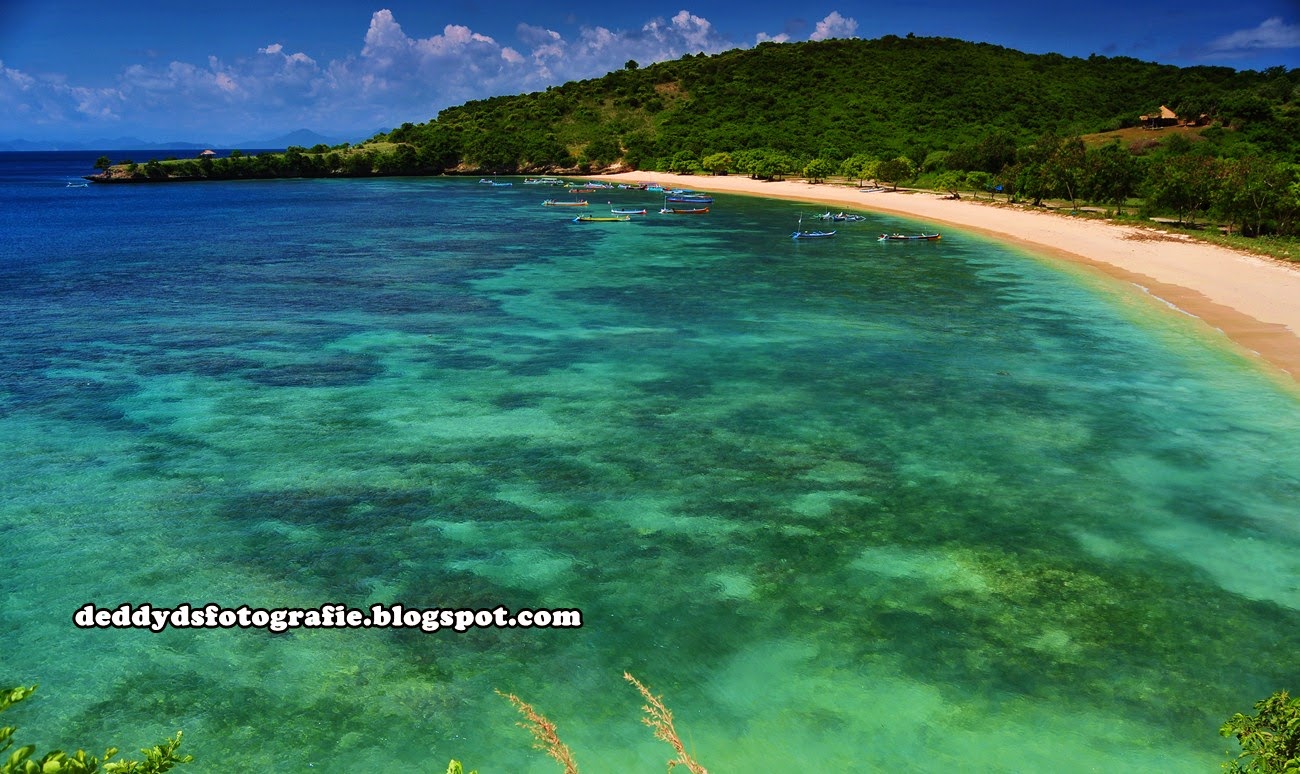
303,137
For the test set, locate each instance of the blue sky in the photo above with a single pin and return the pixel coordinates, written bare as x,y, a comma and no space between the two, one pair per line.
243,69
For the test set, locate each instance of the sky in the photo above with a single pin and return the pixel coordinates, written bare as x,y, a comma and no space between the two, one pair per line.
221,73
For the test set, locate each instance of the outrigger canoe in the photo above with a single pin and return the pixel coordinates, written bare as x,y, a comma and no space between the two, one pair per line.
812,234
554,203
595,219
908,237
680,211
629,212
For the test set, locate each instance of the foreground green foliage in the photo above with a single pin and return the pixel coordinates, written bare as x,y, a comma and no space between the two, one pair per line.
24,760
1270,739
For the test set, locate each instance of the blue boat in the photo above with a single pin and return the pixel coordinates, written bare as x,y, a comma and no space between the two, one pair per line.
812,234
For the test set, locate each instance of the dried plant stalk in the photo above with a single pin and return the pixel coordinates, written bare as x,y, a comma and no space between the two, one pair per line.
543,731
660,718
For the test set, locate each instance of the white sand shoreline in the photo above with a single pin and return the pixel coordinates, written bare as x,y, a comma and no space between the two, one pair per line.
1253,300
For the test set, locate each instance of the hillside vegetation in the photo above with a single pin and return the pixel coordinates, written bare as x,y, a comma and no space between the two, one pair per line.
884,98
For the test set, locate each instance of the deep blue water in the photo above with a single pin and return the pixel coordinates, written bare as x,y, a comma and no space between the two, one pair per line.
848,506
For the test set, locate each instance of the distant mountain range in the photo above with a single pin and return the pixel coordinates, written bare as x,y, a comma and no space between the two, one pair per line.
303,137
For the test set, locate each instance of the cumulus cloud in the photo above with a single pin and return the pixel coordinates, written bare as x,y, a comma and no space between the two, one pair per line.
48,102
1270,34
834,26
393,78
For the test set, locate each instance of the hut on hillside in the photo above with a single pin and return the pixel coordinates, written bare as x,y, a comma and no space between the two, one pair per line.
1165,117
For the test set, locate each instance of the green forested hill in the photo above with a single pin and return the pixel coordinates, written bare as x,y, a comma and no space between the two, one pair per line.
944,113
837,98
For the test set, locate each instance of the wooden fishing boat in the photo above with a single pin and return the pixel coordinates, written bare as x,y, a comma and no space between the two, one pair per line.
684,211
641,211
908,237
554,203
601,219
799,232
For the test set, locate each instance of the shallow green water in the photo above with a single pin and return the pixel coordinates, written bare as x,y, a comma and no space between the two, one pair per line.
848,506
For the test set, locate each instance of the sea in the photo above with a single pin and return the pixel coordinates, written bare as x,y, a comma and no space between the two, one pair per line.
842,505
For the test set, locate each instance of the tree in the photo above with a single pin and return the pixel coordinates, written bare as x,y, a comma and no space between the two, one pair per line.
818,170
1035,177
979,180
684,162
102,163
718,163
24,761
1270,739
950,181
1113,174
770,165
896,170
1063,169
1253,192
859,167
1183,184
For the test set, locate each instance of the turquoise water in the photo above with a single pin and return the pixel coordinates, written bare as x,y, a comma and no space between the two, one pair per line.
848,506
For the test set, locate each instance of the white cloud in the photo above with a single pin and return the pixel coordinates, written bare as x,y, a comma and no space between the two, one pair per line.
834,26
43,104
394,77
1271,33
763,37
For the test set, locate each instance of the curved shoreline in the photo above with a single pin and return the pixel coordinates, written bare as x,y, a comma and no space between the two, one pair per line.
1254,301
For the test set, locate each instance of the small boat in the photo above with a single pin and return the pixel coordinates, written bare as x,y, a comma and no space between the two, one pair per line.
601,219
641,211
908,237
682,211
812,234
485,180
554,203
841,217
543,181
74,184
501,185
655,188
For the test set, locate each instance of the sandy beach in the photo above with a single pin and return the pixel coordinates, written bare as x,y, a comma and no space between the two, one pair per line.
1253,300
